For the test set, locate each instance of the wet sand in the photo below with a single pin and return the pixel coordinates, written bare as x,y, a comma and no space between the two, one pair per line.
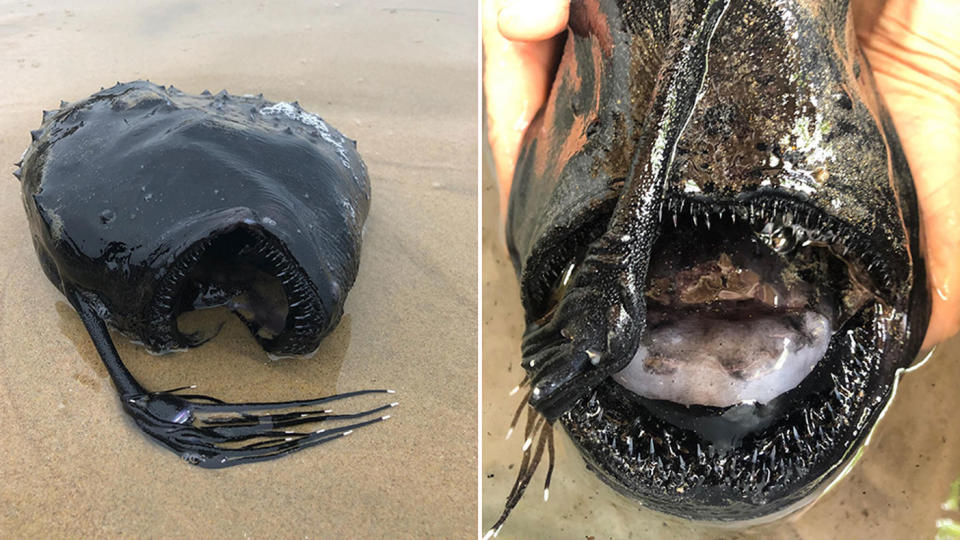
895,491
400,78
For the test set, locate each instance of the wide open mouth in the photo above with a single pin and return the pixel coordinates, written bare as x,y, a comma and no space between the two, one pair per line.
760,367
249,272
735,315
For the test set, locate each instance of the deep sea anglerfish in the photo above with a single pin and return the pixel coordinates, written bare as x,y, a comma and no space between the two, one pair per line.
145,202
717,239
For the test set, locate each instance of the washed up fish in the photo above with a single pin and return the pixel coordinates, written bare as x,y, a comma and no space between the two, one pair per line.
145,202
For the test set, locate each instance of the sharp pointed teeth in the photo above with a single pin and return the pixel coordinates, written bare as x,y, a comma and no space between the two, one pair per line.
18,173
35,134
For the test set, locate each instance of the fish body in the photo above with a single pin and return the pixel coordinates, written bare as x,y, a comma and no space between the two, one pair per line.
717,238
145,202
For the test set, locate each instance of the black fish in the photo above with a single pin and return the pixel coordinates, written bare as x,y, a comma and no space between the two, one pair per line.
145,202
716,234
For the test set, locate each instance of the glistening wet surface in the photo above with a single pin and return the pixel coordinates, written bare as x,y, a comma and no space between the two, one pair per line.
398,77
895,490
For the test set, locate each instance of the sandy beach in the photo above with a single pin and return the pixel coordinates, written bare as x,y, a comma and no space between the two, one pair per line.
398,77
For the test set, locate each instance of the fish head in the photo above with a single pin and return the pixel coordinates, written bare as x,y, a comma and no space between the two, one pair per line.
717,238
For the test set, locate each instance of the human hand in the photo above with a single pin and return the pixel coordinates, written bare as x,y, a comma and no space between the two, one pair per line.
520,49
910,44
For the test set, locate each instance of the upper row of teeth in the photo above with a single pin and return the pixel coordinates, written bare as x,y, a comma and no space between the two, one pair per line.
752,211
774,224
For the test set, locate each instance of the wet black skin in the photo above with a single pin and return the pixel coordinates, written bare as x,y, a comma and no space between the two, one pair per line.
145,202
723,115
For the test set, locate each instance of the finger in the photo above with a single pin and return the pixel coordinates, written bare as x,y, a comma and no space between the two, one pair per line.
533,20
915,66
935,162
516,83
